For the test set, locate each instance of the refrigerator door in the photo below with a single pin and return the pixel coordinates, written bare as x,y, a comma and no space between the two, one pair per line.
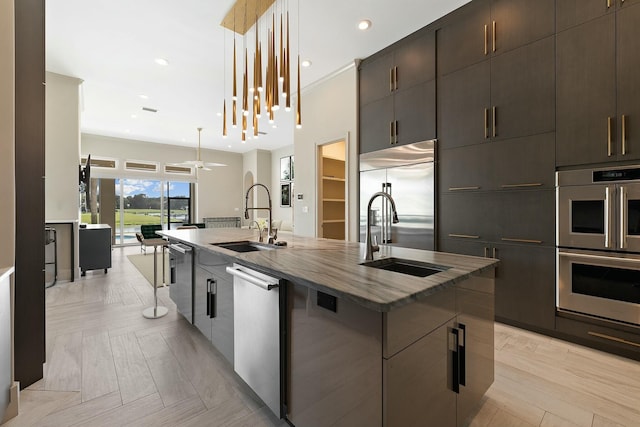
371,182
412,188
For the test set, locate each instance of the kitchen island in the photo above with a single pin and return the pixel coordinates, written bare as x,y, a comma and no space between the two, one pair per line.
364,345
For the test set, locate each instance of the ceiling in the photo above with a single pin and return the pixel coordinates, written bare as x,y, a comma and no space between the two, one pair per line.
112,46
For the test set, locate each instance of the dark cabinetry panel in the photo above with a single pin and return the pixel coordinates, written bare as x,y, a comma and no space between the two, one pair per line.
598,90
570,13
525,285
519,22
397,94
586,92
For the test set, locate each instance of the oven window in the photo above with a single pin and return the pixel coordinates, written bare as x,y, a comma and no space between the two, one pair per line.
606,282
633,218
587,216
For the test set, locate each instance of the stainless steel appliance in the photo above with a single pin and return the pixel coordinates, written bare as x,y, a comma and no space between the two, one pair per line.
405,172
257,340
598,239
181,288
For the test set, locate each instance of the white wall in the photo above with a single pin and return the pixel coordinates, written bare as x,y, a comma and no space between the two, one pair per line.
329,113
280,213
62,147
7,134
218,192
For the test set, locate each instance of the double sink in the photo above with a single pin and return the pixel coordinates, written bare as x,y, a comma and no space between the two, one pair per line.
397,265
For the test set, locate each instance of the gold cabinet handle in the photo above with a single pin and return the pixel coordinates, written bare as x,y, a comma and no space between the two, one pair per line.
509,239
463,188
608,4
494,120
390,79
533,184
609,136
486,39
495,252
395,78
395,132
624,134
391,133
493,36
464,236
486,123
486,252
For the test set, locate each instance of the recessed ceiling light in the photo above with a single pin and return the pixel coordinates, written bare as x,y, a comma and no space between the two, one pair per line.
161,61
228,146
218,114
306,63
133,116
143,96
127,130
365,24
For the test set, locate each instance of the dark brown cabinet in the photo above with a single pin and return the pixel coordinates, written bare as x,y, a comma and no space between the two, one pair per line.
598,104
484,28
397,94
570,13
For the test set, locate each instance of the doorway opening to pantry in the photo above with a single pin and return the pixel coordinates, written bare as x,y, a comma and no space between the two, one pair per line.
332,190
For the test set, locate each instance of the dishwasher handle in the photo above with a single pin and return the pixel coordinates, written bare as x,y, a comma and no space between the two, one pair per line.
183,249
267,286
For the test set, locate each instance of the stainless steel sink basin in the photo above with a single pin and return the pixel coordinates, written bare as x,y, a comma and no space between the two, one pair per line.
406,266
245,246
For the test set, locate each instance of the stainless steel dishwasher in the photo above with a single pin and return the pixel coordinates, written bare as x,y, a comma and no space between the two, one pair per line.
258,334
181,288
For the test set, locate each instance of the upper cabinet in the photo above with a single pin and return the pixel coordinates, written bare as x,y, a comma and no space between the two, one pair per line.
496,72
598,92
397,94
484,28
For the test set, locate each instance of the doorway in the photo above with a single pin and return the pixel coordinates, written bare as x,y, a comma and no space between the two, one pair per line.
332,190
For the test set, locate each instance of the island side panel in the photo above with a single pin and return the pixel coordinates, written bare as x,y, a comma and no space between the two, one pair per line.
335,369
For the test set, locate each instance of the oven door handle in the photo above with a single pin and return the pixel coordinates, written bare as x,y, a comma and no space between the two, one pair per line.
623,217
597,257
608,218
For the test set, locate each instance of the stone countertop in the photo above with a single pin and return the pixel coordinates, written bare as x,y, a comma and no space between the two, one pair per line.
334,266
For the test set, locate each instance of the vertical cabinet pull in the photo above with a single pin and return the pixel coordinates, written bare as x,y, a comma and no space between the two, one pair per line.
395,132
623,217
495,253
212,291
486,39
395,78
624,131
391,133
486,252
494,120
390,79
493,36
486,123
609,136
462,372
454,359
608,4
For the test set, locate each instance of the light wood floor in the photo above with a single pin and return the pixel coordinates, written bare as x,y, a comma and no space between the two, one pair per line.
109,366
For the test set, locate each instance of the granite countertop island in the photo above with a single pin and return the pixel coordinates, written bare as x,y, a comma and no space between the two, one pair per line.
334,266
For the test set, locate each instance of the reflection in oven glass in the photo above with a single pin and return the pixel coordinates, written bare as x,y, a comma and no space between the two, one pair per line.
606,282
633,218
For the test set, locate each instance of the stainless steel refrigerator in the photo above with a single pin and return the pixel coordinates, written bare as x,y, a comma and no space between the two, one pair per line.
406,172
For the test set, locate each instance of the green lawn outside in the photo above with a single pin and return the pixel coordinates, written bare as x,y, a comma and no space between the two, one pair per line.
134,216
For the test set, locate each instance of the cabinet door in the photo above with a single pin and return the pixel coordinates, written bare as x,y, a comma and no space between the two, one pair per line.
519,22
523,90
375,78
476,319
200,317
525,216
465,168
415,59
417,383
463,102
570,13
585,92
375,125
462,40
415,113
466,214
527,162
628,46
525,285
222,321
463,246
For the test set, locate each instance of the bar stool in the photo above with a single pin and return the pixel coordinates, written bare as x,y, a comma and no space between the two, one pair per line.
156,311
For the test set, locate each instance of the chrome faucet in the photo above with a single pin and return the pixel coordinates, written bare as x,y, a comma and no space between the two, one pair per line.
371,247
272,237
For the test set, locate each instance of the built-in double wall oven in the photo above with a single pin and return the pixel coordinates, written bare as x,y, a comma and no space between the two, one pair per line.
598,239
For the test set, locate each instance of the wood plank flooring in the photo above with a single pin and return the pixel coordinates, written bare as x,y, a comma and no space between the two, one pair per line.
109,366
